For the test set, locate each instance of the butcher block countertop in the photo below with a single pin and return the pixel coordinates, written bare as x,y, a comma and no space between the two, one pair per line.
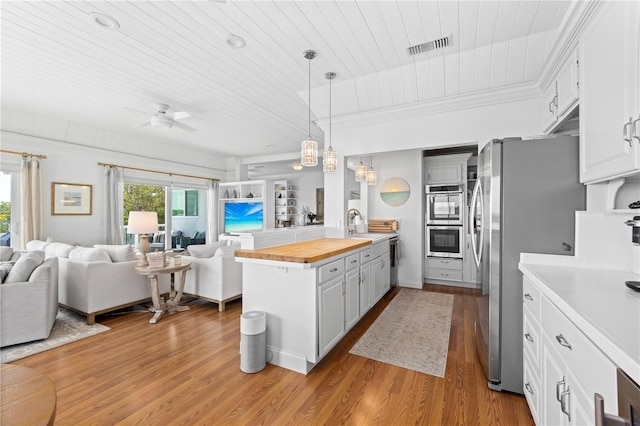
305,251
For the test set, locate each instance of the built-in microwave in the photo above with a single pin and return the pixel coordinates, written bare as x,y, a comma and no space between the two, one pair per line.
444,205
444,241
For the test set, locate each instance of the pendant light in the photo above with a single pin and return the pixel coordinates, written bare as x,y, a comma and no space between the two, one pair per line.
361,172
309,147
372,175
329,157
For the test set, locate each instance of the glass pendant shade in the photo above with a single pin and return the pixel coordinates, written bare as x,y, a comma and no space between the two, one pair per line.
309,153
329,161
361,172
372,176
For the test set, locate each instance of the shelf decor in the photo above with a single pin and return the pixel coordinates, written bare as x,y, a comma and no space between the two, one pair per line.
71,199
395,191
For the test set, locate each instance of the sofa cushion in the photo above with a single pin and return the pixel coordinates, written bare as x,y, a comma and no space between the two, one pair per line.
5,253
24,266
5,268
36,245
58,249
205,250
118,253
89,254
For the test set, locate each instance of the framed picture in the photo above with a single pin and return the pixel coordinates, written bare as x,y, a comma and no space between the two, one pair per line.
70,199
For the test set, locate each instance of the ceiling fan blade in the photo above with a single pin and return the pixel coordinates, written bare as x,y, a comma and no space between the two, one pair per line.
144,124
179,115
183,127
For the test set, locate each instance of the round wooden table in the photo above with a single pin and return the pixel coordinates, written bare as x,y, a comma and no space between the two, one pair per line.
26,397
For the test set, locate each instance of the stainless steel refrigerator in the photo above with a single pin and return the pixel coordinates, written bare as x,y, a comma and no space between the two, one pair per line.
525,200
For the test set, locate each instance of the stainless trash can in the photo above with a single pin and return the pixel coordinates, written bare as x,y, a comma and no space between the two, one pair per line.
253,341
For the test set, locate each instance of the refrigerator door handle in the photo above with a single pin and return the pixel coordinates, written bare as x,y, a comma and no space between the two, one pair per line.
476,248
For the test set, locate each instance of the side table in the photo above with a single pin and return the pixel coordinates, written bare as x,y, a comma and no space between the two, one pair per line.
160,305
26,397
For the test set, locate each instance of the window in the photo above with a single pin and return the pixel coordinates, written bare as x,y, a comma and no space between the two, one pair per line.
184,202
5,209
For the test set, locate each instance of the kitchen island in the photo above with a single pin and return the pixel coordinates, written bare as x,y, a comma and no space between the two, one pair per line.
312,292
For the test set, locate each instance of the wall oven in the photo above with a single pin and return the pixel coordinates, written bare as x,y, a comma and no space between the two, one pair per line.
444,204
444,241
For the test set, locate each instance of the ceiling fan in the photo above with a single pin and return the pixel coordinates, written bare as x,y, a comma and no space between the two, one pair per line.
166,119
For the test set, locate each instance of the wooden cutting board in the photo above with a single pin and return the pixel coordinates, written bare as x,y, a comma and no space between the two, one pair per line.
305,251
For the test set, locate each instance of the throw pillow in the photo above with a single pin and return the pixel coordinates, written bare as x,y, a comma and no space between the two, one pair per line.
58,249
5,253
89,254
36,245
204,250
118,253
24,266
5,268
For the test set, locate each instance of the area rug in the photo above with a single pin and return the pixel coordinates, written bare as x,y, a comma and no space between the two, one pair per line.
68,327
412,332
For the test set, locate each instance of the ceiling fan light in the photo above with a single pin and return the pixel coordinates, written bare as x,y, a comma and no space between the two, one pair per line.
161,121
309,153
329,160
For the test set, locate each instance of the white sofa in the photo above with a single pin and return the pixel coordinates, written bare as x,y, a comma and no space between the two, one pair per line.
215,275
99,279
28,308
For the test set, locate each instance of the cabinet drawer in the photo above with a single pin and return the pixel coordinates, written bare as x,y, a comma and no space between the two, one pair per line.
455,264
531,338
365,256
531,296
352,261
444,274
380,248
532,389
331,270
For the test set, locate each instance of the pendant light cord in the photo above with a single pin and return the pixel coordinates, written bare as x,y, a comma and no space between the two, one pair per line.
330,113
310,57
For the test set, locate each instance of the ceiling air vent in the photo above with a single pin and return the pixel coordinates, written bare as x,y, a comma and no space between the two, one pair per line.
430,45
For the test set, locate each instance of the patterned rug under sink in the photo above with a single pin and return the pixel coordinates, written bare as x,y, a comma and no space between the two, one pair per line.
69,327
412,332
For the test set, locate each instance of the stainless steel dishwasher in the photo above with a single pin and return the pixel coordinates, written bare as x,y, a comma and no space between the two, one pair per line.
395,259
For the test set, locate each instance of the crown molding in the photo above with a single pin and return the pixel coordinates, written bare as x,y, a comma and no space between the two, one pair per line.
477,99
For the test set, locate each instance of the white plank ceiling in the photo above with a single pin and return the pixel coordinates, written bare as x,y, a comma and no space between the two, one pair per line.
58,66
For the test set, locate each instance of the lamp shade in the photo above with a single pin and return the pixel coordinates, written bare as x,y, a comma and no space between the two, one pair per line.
142,223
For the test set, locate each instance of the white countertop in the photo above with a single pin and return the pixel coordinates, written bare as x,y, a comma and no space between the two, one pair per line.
599,303
374,237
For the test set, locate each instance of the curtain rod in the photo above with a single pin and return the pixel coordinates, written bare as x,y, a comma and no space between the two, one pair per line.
157,171
24,154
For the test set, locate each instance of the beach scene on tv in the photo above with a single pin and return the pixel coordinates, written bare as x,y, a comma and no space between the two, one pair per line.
243,217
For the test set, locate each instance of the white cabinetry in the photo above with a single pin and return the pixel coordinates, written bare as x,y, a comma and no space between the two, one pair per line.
245,191
365,281
284,203
381,270
610,98
352,291
562,94
444,173
440,268
571,368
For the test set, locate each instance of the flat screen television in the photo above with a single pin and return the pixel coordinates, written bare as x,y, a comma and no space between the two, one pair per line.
243,216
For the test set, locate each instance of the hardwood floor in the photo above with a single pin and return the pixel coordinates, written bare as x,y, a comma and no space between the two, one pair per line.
186,370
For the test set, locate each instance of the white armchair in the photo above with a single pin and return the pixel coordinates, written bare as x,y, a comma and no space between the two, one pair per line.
215,275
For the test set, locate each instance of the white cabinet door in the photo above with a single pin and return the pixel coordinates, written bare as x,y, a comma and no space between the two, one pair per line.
376,272
385,283
567,85
365,288
555,383
550,108
330,314
609,99
352,298
444,173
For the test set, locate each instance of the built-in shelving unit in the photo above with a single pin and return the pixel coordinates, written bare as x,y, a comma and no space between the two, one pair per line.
245,192
285,204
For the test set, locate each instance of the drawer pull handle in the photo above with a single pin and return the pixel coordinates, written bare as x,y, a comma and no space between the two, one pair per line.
528,337
333,269
563,342
528,296
558,391
367,255
444,275
564,402
528,387
354,261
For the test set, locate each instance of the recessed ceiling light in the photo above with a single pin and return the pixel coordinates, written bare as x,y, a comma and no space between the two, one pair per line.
235,41
104,21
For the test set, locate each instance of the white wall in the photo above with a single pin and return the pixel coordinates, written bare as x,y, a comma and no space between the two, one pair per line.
76,164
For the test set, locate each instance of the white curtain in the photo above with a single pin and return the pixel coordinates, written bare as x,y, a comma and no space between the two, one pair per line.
113,206
30,201
213,196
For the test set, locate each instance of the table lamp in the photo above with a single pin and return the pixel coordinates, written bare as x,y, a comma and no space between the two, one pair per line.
143,223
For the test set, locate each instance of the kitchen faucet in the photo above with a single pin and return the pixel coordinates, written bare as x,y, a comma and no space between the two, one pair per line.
351,216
